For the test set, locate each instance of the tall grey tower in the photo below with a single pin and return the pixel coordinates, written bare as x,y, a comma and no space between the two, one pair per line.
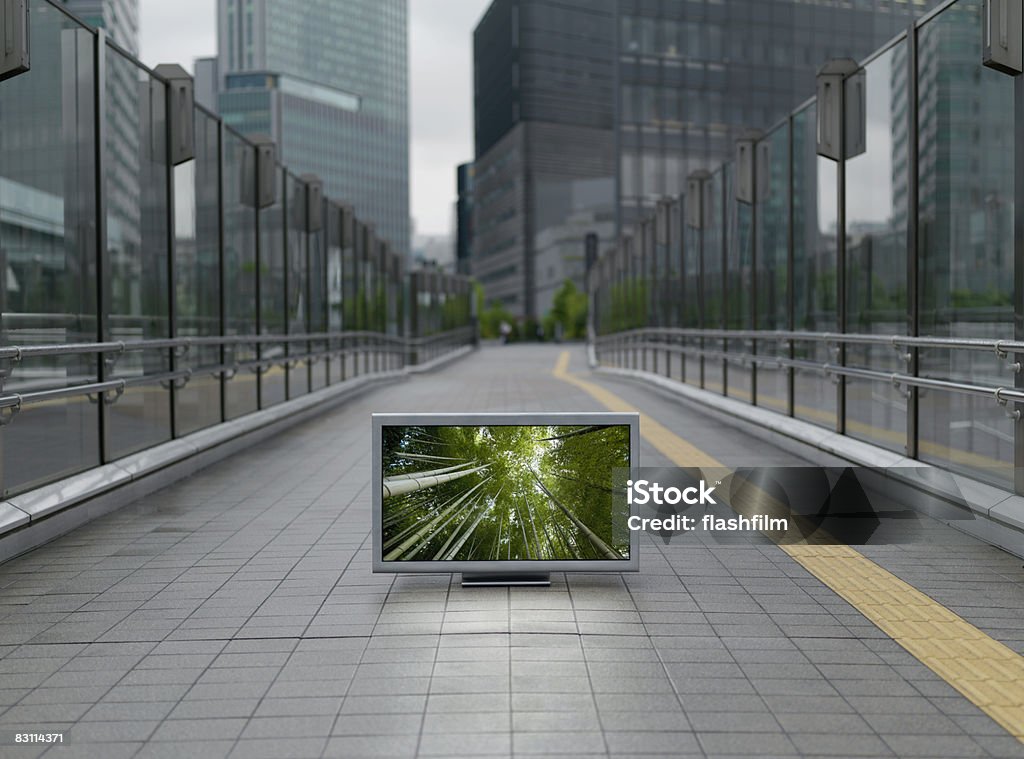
328,80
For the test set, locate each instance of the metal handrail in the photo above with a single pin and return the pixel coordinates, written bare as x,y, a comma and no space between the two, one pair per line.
1000,347
17,353
383,343
636,339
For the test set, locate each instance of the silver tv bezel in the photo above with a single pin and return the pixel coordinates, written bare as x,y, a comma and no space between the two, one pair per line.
524,566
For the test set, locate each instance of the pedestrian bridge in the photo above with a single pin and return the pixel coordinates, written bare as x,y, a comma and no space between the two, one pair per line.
193,338
233,613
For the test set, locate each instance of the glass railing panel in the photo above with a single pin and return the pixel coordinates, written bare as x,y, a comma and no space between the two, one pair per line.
136,184
739,290
318,301
197,273
350,274
48,249
692,312
966,143
240,391
876,245
672,290
814,269
335,289
713,279
772,263
297,240
273,297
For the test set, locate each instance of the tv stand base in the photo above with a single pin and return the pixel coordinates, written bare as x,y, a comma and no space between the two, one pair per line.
488,579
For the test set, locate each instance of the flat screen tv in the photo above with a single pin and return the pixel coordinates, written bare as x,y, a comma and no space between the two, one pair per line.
503,498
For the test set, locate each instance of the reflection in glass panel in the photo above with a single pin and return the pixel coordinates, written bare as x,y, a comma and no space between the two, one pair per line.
298,297
394,296
362,276
714,311
318,300
739,287
814,268
638,291
378,309
197,275
349,288
240,395
648,273
137,272
773,263
335,277
693,314
273,298
876,246
48,249
673,292
966,206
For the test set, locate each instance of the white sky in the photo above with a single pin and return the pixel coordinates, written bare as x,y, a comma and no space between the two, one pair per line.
440,83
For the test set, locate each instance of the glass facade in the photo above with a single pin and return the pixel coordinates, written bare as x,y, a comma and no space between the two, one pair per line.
328,81
693,75
841,287
159,299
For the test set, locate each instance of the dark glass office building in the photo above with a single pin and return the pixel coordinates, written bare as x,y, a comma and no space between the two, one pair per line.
464,218
588,112
544,115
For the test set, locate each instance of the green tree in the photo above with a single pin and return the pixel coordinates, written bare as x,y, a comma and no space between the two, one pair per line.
568,312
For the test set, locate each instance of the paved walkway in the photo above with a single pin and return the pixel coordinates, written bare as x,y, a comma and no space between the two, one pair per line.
234,614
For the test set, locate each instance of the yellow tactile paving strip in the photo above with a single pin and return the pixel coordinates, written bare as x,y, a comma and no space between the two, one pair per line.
986,672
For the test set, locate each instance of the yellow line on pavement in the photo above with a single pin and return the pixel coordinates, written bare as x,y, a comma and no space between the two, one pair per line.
987,672
671,445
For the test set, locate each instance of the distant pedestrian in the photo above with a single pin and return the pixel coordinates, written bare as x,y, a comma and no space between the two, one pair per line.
506,331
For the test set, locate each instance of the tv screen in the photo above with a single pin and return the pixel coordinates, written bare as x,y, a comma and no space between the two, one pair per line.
503,492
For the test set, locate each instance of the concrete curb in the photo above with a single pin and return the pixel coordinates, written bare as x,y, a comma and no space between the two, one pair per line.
997,515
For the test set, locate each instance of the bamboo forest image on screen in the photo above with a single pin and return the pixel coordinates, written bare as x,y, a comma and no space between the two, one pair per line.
504,492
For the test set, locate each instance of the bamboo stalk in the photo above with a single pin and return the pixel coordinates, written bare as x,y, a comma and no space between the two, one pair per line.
450,518
417,537
595,540
574,433
443,508
424,457
465,536
468,511
411,485
522,528
430,473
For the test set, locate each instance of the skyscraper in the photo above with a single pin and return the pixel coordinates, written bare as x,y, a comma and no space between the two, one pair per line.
118,18
328,81
592,111
544,88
